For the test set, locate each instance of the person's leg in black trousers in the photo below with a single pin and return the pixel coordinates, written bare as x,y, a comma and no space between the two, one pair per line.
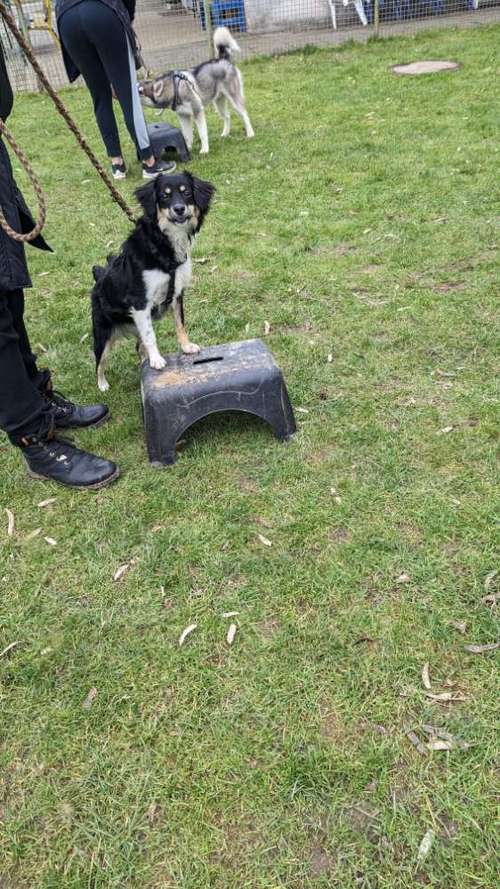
23,410
30,412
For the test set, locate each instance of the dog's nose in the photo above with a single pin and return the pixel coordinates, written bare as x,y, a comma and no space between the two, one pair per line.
179,209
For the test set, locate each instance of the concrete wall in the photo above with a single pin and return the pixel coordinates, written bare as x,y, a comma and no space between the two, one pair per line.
265,15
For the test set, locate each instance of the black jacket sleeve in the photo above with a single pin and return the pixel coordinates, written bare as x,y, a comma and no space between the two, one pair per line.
130,7
6,97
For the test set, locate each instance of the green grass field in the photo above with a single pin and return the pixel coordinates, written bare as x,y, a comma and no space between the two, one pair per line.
362,223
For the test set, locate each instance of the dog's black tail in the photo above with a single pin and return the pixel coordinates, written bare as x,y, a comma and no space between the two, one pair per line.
225,44
102,326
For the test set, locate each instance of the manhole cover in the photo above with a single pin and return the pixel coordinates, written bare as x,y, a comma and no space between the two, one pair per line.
429,67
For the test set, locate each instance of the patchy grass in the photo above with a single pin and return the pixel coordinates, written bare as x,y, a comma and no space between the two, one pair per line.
361,222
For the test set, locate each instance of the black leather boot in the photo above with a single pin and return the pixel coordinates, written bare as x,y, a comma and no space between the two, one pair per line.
68,415
51,457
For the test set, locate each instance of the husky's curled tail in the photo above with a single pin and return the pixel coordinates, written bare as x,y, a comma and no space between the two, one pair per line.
225,44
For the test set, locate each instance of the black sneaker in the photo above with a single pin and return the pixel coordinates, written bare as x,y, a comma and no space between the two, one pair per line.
58,460
157,168
68,415
118,171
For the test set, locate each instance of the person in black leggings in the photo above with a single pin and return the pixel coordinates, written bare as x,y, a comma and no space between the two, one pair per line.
98,42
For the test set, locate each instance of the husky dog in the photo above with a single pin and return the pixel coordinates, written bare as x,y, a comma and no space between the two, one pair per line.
188,92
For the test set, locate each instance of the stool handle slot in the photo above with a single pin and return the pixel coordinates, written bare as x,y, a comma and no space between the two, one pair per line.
207,360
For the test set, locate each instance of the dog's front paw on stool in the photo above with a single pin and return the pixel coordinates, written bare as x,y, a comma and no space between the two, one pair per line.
190,349
157,362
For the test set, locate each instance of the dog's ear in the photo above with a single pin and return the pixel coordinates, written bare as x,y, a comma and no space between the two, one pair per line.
158,86
146,195
203,193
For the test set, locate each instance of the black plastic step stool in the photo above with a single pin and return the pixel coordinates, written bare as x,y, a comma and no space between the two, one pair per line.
232,377
163,136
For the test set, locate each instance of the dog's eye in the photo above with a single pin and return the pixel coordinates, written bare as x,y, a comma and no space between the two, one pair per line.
168,191
182,188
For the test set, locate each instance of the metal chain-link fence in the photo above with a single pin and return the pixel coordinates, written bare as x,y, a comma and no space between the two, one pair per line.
174,34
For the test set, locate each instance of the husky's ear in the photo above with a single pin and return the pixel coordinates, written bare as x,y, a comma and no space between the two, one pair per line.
158,86
146,195
203,193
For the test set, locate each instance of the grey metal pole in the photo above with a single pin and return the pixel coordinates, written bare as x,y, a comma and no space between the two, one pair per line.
376,16
208,25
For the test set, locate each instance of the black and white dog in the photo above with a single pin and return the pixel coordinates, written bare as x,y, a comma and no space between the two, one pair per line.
151,271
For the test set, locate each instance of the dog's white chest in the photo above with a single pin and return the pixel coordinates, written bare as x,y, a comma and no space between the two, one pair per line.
156,285
183,276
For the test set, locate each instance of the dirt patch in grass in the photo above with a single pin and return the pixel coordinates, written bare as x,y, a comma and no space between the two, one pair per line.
305,327
338,536
320,863
342,249
247,485
447,286
268,628
363,818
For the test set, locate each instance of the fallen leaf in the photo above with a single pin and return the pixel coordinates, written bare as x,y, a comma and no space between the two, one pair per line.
482,649
425,846
201,260
264,540
444,697
50,541
45,651
10,522
152,813
403,578
425,677
48,502
231,633
440,734
83,338
185,633
489,579
42,348
439,744
445,430
247,328
121,571
9,648
267,328
33,534
417,743
437,732
459,625
230,613
89,700
301,410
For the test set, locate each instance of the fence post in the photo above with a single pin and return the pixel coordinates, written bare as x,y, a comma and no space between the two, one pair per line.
376,17
208,25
